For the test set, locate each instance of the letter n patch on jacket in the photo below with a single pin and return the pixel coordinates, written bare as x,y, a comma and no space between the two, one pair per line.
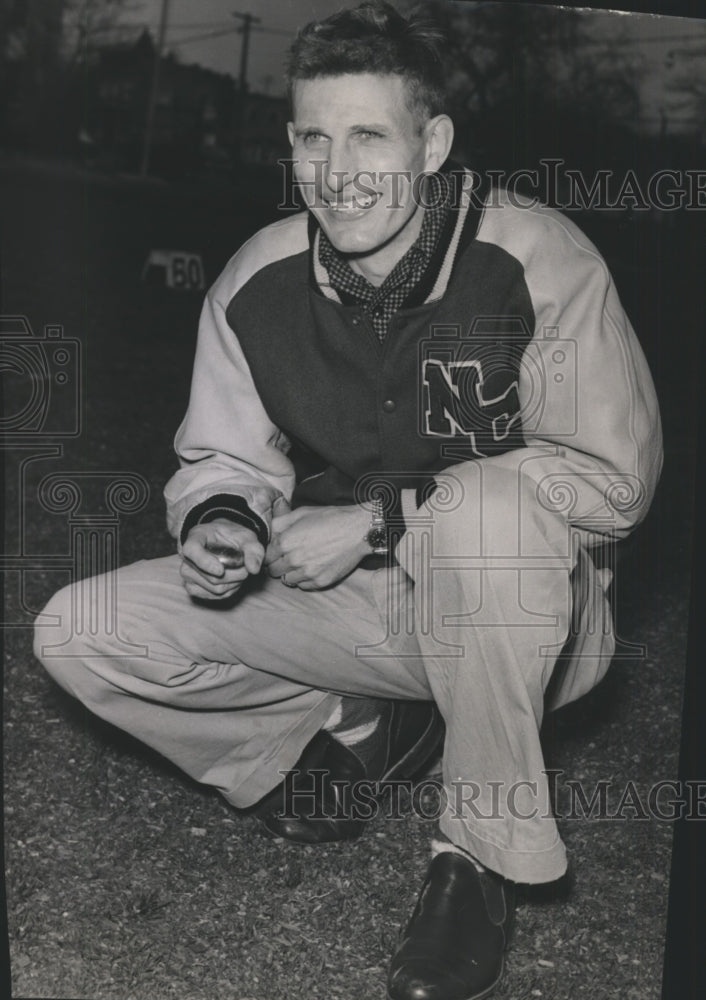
470,396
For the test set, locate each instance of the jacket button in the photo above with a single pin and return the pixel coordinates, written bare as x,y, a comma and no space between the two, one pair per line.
389,406
356,321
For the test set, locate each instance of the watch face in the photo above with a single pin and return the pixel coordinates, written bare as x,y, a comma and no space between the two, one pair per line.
377,537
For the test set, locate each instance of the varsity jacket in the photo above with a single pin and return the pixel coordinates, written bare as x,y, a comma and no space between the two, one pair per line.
514,349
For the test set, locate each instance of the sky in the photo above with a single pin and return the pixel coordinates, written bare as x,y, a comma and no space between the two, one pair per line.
653,38
279,18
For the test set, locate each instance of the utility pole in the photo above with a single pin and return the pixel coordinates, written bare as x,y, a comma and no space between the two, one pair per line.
154,89
248,21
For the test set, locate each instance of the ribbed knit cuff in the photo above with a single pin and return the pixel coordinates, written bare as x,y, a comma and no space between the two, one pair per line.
230,507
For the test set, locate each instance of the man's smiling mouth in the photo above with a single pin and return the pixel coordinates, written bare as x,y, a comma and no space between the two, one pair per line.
353,206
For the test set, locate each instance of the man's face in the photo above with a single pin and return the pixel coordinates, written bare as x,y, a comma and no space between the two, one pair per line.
357,150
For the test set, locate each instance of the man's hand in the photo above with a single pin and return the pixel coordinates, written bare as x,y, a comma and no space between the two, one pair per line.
316,547
204,574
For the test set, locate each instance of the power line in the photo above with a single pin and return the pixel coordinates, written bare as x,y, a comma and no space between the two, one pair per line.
220,31
637,42
196,24
104,29
229,31
200,38
275,31
262,29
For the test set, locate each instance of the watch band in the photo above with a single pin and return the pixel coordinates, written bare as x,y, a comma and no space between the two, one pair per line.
376,535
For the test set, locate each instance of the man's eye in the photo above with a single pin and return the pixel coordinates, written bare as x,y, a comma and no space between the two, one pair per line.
312,138
368,133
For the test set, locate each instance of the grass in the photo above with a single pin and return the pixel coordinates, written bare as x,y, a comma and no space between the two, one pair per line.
127,881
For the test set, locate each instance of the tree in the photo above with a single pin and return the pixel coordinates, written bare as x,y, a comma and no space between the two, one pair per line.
89,24
687,90
30,63
46,44
528,81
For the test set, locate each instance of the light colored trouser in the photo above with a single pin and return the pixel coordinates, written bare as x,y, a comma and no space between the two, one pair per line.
232,695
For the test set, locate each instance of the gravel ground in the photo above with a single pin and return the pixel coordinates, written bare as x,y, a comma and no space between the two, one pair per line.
127,880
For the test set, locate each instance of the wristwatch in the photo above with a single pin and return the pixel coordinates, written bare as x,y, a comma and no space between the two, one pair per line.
376,535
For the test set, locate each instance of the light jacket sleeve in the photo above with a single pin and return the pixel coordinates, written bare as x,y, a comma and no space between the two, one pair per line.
589,412
233,459
589,408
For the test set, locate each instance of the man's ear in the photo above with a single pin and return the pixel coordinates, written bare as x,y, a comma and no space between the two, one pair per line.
290,132
439,140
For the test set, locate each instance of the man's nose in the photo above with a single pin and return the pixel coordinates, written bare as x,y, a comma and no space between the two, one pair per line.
339,169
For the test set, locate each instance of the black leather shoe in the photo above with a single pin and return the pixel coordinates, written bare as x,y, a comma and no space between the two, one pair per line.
330,794
452,948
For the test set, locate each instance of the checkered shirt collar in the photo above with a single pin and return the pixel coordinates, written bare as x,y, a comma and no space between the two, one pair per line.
383,300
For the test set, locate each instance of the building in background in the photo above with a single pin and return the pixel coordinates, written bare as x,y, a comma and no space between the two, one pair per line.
194,110
263,137
89,99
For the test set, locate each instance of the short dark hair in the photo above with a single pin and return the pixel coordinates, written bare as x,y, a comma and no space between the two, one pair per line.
374,38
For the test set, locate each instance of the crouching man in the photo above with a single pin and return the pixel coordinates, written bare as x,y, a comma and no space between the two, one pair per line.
415,409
